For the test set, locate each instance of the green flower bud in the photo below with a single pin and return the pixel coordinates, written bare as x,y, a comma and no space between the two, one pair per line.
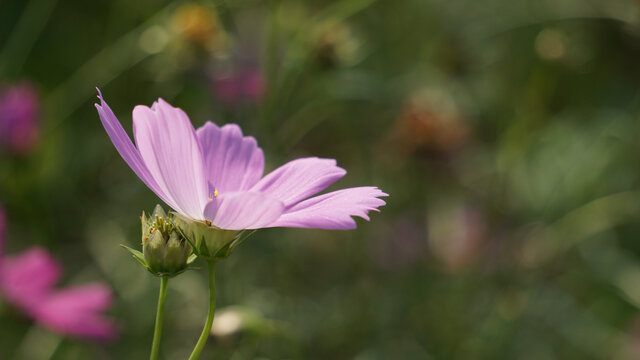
154,251
177,250
208,241
165,252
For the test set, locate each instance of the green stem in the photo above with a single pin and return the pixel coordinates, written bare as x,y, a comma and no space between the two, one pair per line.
212,310
157,332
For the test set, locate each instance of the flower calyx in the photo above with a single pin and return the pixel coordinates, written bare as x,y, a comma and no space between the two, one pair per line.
208,241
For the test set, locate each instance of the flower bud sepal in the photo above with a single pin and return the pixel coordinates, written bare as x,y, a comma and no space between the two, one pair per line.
139,257
208,241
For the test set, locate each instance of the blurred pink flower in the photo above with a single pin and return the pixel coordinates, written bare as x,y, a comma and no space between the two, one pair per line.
247,84
19,107
215,174
27,281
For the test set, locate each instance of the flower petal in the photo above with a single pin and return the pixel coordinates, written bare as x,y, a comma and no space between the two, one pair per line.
125,147
299,179
168,144
245,210
27,277
333,210
233,162
76,311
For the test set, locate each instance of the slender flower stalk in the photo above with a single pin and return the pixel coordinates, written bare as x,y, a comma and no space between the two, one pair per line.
212,311
157,332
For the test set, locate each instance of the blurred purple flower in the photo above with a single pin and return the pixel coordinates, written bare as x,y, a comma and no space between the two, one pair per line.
19,106
27,281
401,245
247,84
214,174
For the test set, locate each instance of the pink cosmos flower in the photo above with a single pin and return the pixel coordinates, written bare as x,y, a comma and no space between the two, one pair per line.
27,281
215,174
18,118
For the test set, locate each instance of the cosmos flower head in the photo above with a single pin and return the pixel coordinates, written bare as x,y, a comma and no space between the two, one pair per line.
214,175
27,281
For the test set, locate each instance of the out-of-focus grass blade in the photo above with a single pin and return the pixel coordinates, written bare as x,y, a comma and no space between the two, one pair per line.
588,220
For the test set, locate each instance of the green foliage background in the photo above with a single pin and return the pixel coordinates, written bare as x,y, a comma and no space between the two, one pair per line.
506,133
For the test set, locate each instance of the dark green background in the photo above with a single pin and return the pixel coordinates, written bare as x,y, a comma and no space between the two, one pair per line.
506,133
